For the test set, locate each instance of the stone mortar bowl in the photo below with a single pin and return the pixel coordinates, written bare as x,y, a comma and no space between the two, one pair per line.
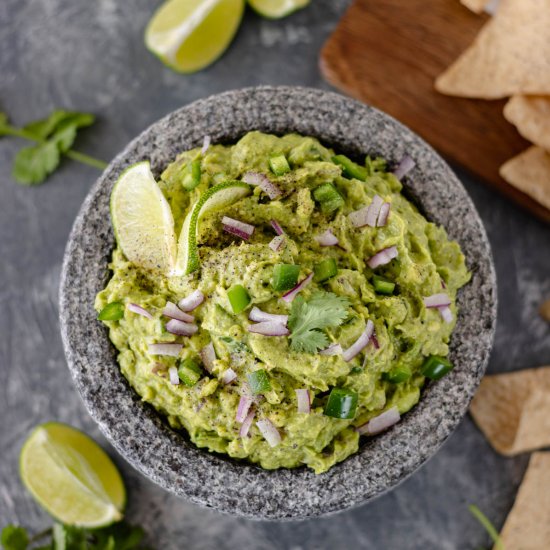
167,457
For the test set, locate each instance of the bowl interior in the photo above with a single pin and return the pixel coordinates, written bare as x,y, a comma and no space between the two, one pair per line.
167,457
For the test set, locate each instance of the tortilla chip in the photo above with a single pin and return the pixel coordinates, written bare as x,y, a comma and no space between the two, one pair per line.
531,116
527,526
510,55
530,173
544,310
513,410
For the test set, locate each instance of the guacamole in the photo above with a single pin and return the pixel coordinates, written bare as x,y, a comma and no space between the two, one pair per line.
321,301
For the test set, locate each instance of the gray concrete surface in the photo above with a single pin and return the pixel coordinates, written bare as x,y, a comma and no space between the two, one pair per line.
89,55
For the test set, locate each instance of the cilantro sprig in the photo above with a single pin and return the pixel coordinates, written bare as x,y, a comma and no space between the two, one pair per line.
308,319
54,136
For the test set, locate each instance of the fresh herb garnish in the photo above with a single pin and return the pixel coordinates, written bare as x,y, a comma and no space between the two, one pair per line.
307,319
54,137
489,527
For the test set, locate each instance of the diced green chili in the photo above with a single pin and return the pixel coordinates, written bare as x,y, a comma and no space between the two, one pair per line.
383,286
258,381
112,312
192,175
238,298
328,197
325,270
189,372
398,374
351,169
279,165
285,276
342,403
436,367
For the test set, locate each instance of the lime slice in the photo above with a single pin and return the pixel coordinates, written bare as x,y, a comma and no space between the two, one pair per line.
142,220
71,476
216,197
275,9
188,35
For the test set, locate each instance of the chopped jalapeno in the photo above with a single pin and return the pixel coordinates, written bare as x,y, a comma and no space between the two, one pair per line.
238,298
192,175
325,270
351,169
189,372
436,367
258,381
285,276
382,286
112,312
328,197
279,165
341,403
398,375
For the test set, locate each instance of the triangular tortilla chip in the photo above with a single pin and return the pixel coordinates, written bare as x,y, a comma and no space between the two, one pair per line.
530,173
544,310
513,410
531,116
527,526
511,55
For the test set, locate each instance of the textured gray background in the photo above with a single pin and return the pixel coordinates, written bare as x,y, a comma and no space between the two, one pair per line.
89,55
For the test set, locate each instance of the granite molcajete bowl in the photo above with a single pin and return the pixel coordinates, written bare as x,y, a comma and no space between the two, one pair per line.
167,457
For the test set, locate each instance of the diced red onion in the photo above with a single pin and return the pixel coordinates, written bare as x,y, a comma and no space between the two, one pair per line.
437,300
383,257
277,243
264,183
189,303
360,343
134,308
383,215
380,423
304,401
238,228
174,312
205,144
277,227
244,406
374,340
181,328
446,314
247,422
208,356
257,315
269,328
328,238
269,431
404,167
173,349
374,210
359,217
174,378
443,285
291,294
228,376
333,349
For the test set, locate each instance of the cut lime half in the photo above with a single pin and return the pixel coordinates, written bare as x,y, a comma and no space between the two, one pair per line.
215,198
275,9
142,220
188,35
71,476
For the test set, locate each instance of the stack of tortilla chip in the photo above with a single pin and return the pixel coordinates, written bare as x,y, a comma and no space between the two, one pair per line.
510,57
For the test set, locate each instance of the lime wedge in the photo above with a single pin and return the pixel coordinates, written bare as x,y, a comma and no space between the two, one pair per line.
216,197
71,476
142,220
275,9
188,35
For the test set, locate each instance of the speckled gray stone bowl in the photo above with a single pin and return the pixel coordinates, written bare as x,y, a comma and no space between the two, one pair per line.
167,457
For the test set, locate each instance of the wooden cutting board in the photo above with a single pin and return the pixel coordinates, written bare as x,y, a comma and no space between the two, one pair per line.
388,52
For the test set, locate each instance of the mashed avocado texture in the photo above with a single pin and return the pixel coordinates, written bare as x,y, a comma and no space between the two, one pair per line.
345,294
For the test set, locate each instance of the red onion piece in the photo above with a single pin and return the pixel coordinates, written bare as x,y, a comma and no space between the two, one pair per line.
437,300
333,349
205,144
359,217
244,406
291,294
304,401
238,228
134,308
173,349
277,243
269,328
269,431
328,238
443,285
181,328
208,356
374,340
383,215
174,312
380,423
189,303
404,167
383,257
229,376
277,227
174,378
257,315
264,183
360,343
374,210
247,422
446,314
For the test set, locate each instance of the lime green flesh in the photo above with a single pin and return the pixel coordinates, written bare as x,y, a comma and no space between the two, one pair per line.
275,9
71,476
188,35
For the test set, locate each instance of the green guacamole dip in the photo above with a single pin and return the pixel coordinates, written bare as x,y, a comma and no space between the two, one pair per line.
387,373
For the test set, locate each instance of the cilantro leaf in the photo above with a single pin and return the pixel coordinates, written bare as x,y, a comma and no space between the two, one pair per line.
14,538
307,319
3,124
33,164
57,120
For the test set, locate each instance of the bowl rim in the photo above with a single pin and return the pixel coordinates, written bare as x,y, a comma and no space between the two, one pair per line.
224,484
